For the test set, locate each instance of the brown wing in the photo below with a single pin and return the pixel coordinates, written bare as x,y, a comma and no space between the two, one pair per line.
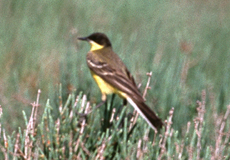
118,79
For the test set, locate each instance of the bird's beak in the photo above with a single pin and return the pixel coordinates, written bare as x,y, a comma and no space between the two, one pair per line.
83,38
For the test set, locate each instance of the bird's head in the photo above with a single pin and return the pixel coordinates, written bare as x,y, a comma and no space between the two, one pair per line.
97,41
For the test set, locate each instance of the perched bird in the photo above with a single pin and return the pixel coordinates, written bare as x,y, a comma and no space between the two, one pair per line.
112,76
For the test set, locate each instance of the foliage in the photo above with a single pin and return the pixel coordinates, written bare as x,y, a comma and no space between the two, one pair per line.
81,132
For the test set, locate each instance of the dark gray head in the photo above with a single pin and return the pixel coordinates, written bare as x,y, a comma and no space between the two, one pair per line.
99,38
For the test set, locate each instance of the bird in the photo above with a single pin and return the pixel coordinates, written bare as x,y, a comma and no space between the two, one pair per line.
113,77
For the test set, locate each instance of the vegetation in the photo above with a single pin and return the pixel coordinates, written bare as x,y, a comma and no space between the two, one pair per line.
185,44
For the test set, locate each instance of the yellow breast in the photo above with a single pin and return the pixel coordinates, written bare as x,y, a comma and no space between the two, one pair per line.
107,88
104,86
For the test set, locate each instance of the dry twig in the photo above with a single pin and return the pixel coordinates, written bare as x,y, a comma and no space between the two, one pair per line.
218,146
168,133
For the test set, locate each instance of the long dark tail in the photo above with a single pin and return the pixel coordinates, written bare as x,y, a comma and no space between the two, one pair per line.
146,113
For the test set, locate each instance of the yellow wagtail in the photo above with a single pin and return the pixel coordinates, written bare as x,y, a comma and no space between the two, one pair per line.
112,76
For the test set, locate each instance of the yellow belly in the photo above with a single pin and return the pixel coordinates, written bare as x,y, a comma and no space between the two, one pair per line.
104,86
107,88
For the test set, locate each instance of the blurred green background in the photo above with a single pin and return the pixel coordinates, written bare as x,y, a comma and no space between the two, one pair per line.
184,43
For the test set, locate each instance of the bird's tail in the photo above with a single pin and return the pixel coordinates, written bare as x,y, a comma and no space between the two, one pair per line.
149,116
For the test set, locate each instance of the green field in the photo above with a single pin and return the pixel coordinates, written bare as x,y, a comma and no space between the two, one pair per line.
185,44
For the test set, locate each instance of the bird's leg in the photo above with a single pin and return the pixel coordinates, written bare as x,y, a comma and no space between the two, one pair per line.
124,102
112,99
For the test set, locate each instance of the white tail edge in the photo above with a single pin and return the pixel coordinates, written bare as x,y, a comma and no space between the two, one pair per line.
140,112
